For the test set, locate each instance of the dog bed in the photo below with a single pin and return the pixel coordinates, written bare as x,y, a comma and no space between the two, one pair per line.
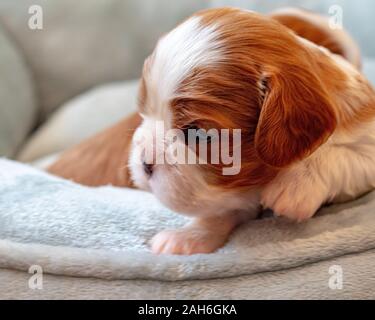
103,233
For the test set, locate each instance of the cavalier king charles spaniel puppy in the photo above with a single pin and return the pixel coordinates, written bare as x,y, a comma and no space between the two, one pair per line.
288,81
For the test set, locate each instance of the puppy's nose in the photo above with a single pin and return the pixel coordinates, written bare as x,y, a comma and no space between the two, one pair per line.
148,168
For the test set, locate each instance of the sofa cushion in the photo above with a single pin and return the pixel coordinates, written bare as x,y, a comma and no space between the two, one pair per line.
369,69
17,98
81,118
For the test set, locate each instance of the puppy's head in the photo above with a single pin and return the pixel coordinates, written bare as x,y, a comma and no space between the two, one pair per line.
228,69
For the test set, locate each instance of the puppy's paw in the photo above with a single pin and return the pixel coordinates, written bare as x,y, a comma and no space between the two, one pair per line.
294,197
187,241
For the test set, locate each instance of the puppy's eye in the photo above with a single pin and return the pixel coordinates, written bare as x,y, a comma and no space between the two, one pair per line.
194,133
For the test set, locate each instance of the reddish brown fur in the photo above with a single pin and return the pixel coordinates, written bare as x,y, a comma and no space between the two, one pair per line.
315,27
359,100
297,117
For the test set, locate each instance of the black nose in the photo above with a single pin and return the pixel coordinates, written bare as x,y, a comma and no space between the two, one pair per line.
148,168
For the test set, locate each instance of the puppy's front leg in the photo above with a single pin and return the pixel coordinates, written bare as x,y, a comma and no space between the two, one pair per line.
203,235
296,193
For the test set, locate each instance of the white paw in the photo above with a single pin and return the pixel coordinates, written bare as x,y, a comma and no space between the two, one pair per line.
187,241
294,197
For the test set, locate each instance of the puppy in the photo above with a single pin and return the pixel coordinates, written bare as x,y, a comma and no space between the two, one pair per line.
287,81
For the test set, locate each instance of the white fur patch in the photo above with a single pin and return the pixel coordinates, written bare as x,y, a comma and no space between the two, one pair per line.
188,46
340,170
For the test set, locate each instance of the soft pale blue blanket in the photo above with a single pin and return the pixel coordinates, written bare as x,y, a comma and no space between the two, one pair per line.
104,232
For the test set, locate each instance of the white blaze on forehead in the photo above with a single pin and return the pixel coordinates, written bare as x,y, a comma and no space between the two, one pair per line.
188,46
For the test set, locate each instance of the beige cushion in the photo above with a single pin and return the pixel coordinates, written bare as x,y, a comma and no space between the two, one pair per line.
89,42
17,98
80,118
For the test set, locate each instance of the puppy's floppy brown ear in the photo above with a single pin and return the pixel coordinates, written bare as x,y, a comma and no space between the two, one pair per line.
295,119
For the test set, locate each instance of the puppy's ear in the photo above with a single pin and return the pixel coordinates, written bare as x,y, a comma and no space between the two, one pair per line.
296,117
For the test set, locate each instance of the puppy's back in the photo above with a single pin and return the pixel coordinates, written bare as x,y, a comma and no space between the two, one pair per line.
316,28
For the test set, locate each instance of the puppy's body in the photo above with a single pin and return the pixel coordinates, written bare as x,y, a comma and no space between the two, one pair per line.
341,170
307,117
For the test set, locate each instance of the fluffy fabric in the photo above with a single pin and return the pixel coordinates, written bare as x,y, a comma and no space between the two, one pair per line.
73,230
